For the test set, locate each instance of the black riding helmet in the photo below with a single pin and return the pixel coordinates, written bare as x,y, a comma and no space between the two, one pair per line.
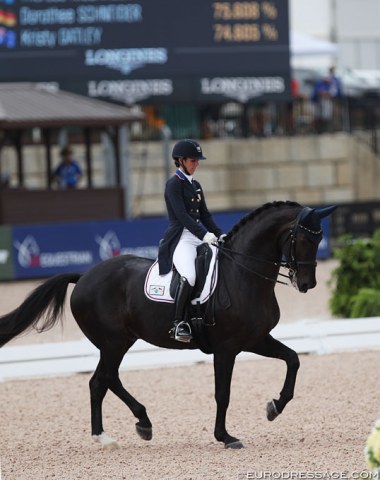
187,149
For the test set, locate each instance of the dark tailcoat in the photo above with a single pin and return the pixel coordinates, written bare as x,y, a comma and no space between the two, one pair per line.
186,207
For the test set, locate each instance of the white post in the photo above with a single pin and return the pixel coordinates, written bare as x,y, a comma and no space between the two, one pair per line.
125,170
166,137
108,160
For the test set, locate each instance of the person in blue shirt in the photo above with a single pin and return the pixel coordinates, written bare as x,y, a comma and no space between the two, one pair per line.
190,224
327,92
68,173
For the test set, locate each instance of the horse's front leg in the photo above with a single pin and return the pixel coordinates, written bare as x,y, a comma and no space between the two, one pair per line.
272,348
223,368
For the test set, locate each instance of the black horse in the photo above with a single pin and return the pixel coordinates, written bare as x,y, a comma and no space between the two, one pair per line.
112,310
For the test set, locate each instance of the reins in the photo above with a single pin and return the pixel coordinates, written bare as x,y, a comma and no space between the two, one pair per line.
291,263
222,249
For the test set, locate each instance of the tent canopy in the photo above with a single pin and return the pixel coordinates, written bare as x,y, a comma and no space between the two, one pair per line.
302,44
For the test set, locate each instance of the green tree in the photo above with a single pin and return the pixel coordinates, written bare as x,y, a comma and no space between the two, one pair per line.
359,268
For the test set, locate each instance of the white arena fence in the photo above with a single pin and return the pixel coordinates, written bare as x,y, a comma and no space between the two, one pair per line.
305,337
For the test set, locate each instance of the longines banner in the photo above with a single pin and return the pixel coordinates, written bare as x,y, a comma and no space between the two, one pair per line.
41,251
144,50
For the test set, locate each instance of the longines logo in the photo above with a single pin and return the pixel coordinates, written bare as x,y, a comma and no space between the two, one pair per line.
242,88
130,91
125,60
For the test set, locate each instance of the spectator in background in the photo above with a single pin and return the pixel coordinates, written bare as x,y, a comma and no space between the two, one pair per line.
326,91
260,119
290,128
4,180
68,173
335,84
336,91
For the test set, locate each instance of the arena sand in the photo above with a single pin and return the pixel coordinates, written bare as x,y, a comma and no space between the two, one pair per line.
45,422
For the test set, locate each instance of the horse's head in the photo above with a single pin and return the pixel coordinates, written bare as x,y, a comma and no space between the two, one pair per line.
302,245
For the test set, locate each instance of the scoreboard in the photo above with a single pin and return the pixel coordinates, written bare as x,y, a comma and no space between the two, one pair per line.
149,50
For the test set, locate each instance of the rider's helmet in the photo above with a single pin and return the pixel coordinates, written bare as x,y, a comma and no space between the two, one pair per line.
187,149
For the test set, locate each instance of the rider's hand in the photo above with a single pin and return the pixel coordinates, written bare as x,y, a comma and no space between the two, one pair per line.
222,238
210,238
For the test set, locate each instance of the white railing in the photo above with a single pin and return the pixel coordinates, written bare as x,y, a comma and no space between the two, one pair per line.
315,337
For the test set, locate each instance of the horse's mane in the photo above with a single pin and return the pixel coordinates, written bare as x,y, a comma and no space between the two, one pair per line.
257,211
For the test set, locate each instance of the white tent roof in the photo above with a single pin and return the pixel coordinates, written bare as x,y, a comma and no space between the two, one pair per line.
302,44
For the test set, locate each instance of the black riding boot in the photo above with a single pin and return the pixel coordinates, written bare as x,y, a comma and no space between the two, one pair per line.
181,330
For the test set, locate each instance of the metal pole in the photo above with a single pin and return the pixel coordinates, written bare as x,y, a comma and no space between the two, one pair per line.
333,26
166,137
126,180
109,158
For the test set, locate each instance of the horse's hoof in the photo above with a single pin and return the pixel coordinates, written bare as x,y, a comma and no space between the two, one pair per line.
272,411
106,442
145,433
235,445
111,446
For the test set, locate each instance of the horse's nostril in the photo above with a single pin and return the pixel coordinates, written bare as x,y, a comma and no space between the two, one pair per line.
306,285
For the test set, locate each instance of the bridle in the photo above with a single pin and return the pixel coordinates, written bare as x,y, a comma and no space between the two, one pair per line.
291,263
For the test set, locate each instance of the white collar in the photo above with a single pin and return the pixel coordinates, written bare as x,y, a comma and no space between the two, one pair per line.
189,177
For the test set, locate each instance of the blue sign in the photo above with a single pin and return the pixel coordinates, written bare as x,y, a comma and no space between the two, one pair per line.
44,250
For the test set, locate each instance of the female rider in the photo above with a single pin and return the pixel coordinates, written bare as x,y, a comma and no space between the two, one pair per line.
190,224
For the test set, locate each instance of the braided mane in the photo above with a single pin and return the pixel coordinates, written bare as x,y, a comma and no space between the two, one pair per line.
257,211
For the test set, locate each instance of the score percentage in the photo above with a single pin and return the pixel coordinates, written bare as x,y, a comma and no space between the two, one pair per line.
269,32
244,32
237,32
236,10
269,10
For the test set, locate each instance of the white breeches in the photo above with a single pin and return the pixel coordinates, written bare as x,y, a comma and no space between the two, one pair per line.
185,254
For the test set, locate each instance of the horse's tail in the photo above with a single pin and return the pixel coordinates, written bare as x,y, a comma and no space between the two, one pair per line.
46,301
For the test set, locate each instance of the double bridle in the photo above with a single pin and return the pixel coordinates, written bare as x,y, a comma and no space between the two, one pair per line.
291,262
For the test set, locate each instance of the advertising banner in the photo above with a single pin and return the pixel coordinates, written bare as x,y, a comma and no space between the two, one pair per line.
45,250
40,251
143,50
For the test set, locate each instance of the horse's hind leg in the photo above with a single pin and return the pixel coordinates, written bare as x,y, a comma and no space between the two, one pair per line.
273,348
106,377
98,390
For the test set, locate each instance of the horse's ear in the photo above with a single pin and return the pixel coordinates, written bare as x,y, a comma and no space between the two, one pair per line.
324,212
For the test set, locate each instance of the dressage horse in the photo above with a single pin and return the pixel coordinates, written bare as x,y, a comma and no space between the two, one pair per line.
110,307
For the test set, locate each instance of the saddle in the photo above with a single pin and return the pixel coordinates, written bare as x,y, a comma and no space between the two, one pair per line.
163,288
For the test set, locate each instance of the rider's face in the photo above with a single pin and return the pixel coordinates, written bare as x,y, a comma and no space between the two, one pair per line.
191,164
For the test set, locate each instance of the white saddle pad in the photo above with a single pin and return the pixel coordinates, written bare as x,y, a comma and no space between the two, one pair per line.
157,287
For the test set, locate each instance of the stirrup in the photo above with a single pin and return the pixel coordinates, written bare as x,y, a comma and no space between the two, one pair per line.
184,335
